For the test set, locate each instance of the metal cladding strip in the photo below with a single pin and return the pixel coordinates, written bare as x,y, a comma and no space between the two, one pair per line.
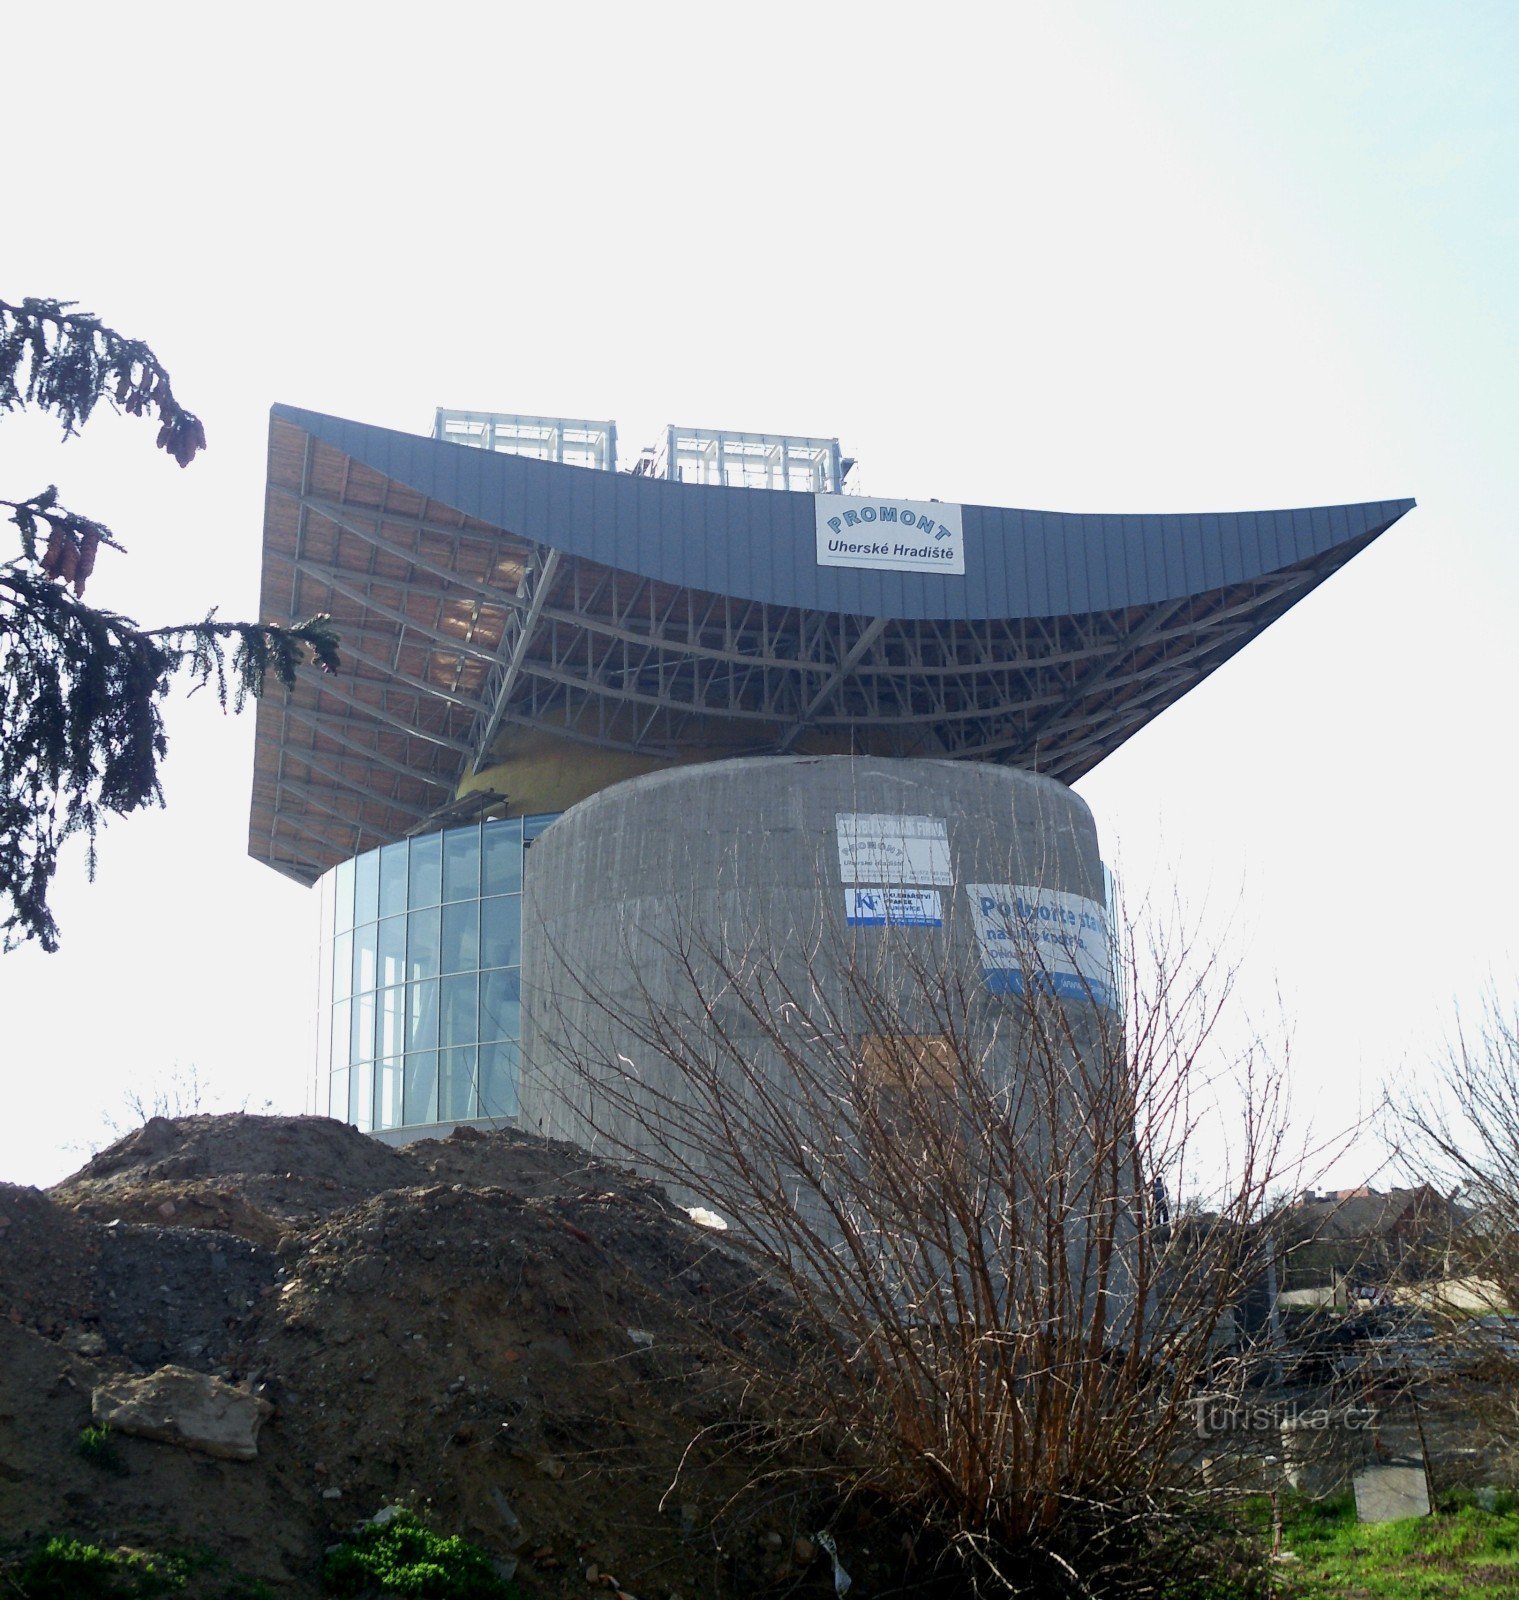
760,544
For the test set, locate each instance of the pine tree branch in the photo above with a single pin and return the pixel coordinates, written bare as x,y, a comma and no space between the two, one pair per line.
81,691
82,688
66,361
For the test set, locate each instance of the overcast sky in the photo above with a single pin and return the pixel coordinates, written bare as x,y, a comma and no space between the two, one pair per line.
1079,256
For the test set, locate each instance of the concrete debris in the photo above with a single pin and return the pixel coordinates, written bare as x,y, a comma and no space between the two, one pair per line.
177,1406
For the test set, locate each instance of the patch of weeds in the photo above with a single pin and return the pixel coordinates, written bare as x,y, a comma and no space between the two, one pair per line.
405,1557
65,1569
1461,1552
98,1447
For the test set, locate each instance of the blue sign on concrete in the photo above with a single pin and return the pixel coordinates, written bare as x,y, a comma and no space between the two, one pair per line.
902,908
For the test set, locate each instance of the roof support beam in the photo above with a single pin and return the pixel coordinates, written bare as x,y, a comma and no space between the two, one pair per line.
337,729
520,627
867,638
1160,618
310,760
389,718
321,840
613,626
347,837
389,672
345,518
448,641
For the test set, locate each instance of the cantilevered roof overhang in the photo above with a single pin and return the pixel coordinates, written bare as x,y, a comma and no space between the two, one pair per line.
477,592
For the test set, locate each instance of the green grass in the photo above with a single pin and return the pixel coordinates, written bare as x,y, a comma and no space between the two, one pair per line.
98,1447
59,1568
405,1557
65,1569
1460,1553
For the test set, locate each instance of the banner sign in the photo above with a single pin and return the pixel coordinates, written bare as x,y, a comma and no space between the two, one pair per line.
889,535
1045,940
897,908
889,849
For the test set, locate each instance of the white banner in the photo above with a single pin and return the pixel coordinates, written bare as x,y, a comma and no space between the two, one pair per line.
889,535
888,849
897,908
1042,939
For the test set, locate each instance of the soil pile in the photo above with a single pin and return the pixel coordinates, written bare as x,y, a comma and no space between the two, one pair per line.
531,1346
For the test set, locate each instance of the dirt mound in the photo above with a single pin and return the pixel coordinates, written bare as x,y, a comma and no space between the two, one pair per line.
531,1345
289,1169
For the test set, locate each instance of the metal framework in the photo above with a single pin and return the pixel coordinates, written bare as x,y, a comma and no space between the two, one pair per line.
453,628
749,460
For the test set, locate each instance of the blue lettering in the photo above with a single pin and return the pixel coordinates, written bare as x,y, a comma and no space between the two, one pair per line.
867,513
836,523
852,518
888,513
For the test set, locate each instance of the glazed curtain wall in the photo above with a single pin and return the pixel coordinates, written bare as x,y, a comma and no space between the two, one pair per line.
420,990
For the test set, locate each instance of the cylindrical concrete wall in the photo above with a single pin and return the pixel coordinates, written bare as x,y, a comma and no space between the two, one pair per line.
805,872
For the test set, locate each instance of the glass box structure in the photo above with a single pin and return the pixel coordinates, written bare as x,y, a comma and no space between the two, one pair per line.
419,999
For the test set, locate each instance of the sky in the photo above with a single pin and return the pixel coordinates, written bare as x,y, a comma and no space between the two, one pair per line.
1088,256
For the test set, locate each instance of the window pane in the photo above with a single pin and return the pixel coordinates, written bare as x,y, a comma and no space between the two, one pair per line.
366,888
501,931
456,1084
426,862
500,1001
340,1033
361,1096
421,1017
365,941
461,936
392,1020
422,946
337,1095
342,907
421,1099
457,1019
361,1040
498,1079
393,879
342,966
461,864
392,967
387,1100
501,860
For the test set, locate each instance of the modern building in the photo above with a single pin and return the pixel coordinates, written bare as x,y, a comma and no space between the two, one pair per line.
716,690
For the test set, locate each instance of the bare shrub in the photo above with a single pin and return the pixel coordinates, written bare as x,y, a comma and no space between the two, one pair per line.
1458,1131
998,1334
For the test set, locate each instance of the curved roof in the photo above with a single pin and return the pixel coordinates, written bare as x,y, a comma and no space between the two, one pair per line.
477,591
759,544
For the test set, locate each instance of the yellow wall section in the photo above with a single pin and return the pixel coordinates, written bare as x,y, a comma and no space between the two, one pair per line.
539,771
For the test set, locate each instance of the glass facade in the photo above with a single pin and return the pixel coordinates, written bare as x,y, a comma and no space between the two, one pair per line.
419,997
